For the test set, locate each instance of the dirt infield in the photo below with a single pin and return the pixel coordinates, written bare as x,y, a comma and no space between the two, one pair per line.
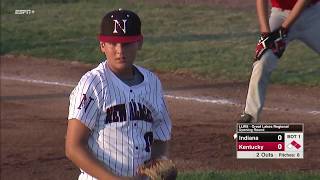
33,120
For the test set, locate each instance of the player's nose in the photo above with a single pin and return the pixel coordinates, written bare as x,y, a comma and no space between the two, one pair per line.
119,47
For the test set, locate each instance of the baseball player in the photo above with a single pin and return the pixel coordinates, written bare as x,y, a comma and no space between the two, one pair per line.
117,115
289,20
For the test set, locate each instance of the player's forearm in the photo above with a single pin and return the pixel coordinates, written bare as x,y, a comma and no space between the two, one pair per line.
295,12
159,149
262,11
80,155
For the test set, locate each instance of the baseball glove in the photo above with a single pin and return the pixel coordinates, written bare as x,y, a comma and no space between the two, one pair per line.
159,169
276,41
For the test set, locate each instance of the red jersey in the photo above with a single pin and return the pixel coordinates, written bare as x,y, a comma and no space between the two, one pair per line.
287,4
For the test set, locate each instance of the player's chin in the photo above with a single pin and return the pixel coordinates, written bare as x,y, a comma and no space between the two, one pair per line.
124,65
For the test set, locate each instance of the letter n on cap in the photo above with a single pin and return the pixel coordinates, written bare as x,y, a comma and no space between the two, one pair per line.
117,24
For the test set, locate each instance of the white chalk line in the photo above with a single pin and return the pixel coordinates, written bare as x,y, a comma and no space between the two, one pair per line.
204,100
37,81
218,101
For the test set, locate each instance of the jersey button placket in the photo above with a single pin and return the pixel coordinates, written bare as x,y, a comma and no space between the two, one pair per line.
134,124
131,95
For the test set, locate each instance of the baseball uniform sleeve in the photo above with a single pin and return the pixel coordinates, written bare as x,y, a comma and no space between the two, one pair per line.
84,101
162,125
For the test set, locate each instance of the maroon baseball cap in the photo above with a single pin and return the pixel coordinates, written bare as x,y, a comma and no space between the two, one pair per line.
120,26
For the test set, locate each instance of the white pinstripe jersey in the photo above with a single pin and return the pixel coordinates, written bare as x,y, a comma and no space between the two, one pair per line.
123,120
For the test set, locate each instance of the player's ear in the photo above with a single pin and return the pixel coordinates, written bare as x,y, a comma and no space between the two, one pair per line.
140,43
102,45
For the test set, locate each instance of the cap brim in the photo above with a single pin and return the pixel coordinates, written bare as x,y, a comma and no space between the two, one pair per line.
120,39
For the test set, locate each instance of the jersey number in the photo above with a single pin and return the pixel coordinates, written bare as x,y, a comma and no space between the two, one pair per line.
148,137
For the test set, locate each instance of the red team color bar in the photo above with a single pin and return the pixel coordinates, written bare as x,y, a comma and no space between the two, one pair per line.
260,146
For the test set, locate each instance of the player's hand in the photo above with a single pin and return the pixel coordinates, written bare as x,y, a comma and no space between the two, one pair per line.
280,38
262,45
276,41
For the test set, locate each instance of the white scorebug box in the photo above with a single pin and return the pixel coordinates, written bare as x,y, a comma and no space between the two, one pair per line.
269,141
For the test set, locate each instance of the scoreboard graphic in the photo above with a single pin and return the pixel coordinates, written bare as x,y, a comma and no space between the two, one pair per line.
269,141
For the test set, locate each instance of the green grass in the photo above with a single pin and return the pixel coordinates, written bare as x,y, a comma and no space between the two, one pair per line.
213,42
225,175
